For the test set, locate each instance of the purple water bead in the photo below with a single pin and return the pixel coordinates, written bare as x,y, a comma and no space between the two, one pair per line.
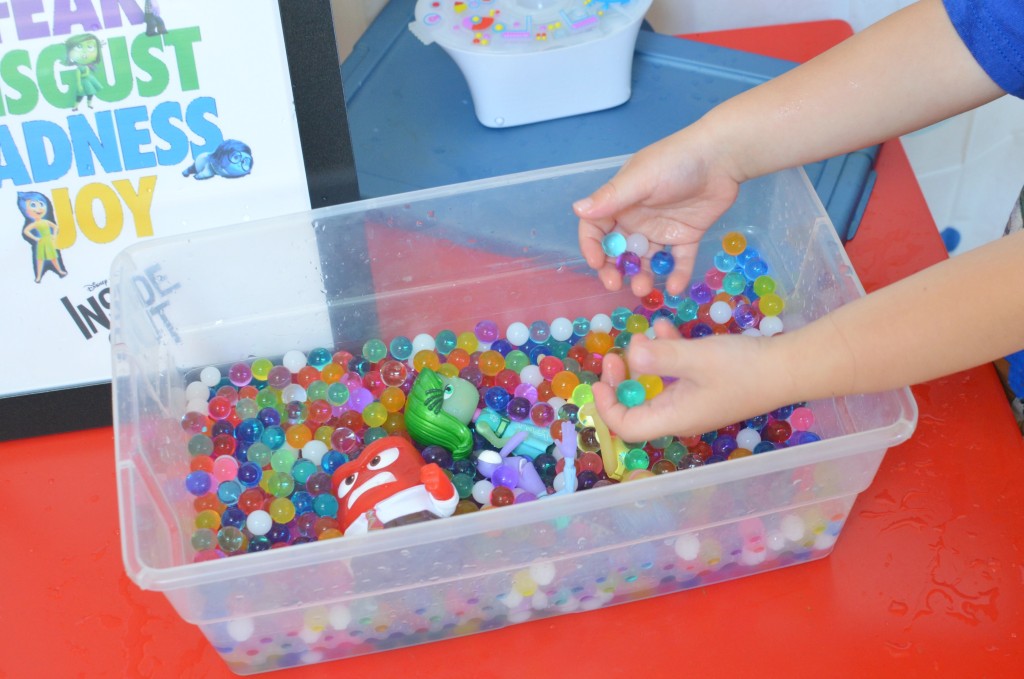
628,263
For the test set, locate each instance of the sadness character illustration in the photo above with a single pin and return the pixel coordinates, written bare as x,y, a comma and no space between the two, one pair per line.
40,231
231,159
84,53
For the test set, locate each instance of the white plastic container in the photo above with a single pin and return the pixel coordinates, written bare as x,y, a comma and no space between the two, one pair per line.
532,60
504,249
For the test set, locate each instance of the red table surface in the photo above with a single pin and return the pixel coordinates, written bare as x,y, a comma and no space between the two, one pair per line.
925,580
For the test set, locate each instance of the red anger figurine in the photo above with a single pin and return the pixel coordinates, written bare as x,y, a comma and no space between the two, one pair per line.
391,480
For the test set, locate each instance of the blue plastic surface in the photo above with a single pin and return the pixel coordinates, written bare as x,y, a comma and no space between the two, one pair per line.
412,122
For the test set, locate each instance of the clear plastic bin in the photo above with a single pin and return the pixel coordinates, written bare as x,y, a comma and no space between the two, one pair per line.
503,249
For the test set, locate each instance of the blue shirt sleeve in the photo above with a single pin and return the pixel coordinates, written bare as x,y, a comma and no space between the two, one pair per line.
993,31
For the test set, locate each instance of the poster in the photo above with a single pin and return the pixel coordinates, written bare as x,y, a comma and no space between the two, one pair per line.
124,120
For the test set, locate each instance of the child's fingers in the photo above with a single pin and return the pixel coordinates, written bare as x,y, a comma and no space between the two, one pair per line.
649,420
591,235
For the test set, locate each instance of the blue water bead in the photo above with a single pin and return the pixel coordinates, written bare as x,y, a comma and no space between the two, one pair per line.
228,492
400,348
662,262
745,256
755,267
758,422
325,504
273,437
303,469
319,357
249,474
502,346
537,352
581,326
270,417
613,244
222,427
249,430
303,502
359,364
497,399
724,262
673,301
333,459
709,437
701,330
540,332
801,437
233,516
279,533
619,317
723,446
701,292
661,313
782,413
764,447
198,482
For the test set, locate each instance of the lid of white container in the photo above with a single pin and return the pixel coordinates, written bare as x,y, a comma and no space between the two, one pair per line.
522,26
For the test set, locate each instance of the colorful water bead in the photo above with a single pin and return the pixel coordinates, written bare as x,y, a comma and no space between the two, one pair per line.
733,243
662,262
630,393
613,244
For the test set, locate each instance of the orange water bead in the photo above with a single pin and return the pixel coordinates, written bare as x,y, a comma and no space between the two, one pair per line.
740,452
307,376
653,385
248,391
331,373
577,353
201,463
393,399
563,383
544,391
734,243
598,342
328,534
723,297
491,363
395,425
458,357
426,358
209,501
298,435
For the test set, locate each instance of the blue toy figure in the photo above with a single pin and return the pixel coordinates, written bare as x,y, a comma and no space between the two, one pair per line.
497,429
231,159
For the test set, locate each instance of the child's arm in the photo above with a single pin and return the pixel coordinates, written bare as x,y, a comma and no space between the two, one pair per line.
959,313
907,71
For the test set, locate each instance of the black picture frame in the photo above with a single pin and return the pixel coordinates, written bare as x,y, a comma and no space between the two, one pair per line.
307,27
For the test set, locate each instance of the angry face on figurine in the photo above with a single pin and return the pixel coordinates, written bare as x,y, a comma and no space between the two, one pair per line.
390,484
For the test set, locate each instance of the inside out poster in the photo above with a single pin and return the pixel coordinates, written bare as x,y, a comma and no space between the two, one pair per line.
124,120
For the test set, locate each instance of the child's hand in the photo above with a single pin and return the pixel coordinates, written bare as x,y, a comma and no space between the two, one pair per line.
721,379
671,192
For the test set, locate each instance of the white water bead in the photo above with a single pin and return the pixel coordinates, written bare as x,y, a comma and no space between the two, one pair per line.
601,323
561,329
210,376
751,332
423,342
197,391
197,405
770,325
294,360
792,527
747,438
293,392
556,402
314,451
259,522
543,573
720,312
517,334
482,491
637,243
531,375
240,629
687,547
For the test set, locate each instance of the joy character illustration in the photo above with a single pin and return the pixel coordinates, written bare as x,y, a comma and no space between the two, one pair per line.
154,22
84,53
438,411
390,484
231,159
40,231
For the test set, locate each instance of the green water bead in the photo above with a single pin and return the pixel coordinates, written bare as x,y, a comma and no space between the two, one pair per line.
247,408
279,484
734,283
586,379
302,470
675,451
630,393
375,350
200,444
282,460
687,311
637,324
620,316
764,285
337,394
636,458
317,391
463,485
204,538
261,369
259,453
373,434
559,349
516,360
268,398
661,442
583,394
622,339
231,539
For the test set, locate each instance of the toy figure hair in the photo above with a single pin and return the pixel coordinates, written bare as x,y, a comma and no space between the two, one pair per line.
76,40
428,424
25,196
